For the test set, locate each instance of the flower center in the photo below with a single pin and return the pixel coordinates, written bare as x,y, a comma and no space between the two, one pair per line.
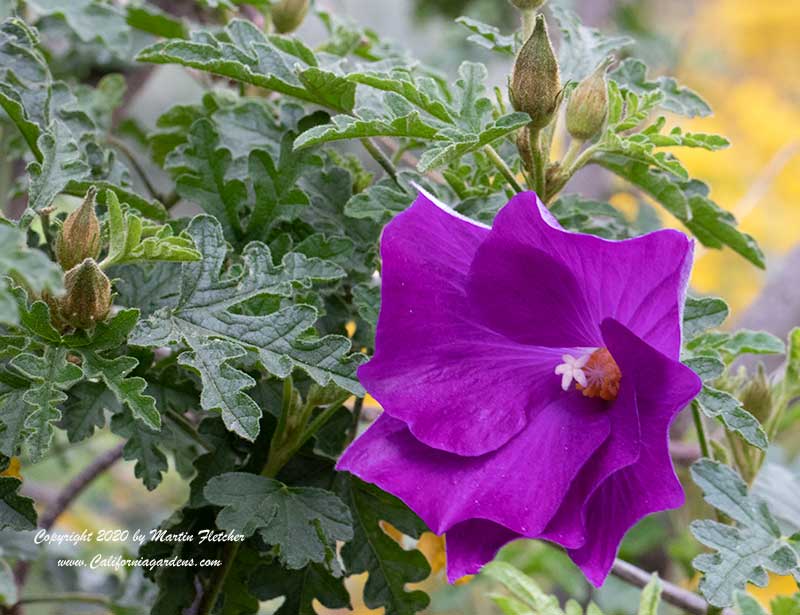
595,373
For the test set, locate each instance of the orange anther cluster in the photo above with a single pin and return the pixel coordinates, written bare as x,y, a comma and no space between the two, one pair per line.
602,376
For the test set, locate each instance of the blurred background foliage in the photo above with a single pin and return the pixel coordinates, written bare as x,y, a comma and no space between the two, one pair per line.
743,56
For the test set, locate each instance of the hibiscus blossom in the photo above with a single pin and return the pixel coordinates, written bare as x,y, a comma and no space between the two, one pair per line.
528,377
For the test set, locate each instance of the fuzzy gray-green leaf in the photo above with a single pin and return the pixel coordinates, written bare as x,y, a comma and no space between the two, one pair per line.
280,338
50,375
742,553
141,447
224,386
276,63
303,522
489,36
632,75
725,407
703,313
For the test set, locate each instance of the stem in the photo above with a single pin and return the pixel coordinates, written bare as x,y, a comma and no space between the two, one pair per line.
684,453
701,431
211,595
537,162
380,157
672,594
528,23
397,155
44,218
6,171
549,131
567,172
171,199
128,152
358,406
583,159
773,424
573,151
187,428
275,460
286,408
502,167
317,424
70,597
287,449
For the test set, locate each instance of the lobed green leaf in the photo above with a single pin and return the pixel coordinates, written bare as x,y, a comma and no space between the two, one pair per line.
245,54
725,407
489,36
131,239
688,202
743,553
371,550
50,375
631,74
304,523
701,314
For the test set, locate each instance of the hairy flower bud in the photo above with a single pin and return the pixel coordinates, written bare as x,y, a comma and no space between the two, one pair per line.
535,86
527,5
588,106
79,238
287,15
756,397
88,295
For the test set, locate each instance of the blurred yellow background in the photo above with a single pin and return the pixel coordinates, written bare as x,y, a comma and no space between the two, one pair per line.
744,57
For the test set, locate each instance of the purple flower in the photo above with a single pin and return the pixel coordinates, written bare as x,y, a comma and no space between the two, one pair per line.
528,377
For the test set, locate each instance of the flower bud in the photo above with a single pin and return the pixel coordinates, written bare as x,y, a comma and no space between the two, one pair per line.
79,238
535,86
588,106
527,5
721,453
287,15
88,295
756,397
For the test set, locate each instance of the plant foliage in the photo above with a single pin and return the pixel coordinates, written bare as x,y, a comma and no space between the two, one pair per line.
218,331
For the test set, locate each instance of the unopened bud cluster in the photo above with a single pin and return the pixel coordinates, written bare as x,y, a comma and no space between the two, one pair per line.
87,297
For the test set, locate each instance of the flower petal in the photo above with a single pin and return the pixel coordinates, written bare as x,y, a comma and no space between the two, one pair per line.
621,449
459,386
471,544
663,388
511,486
529,296
640,282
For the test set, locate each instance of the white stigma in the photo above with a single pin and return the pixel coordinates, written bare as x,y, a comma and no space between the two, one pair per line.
572,369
